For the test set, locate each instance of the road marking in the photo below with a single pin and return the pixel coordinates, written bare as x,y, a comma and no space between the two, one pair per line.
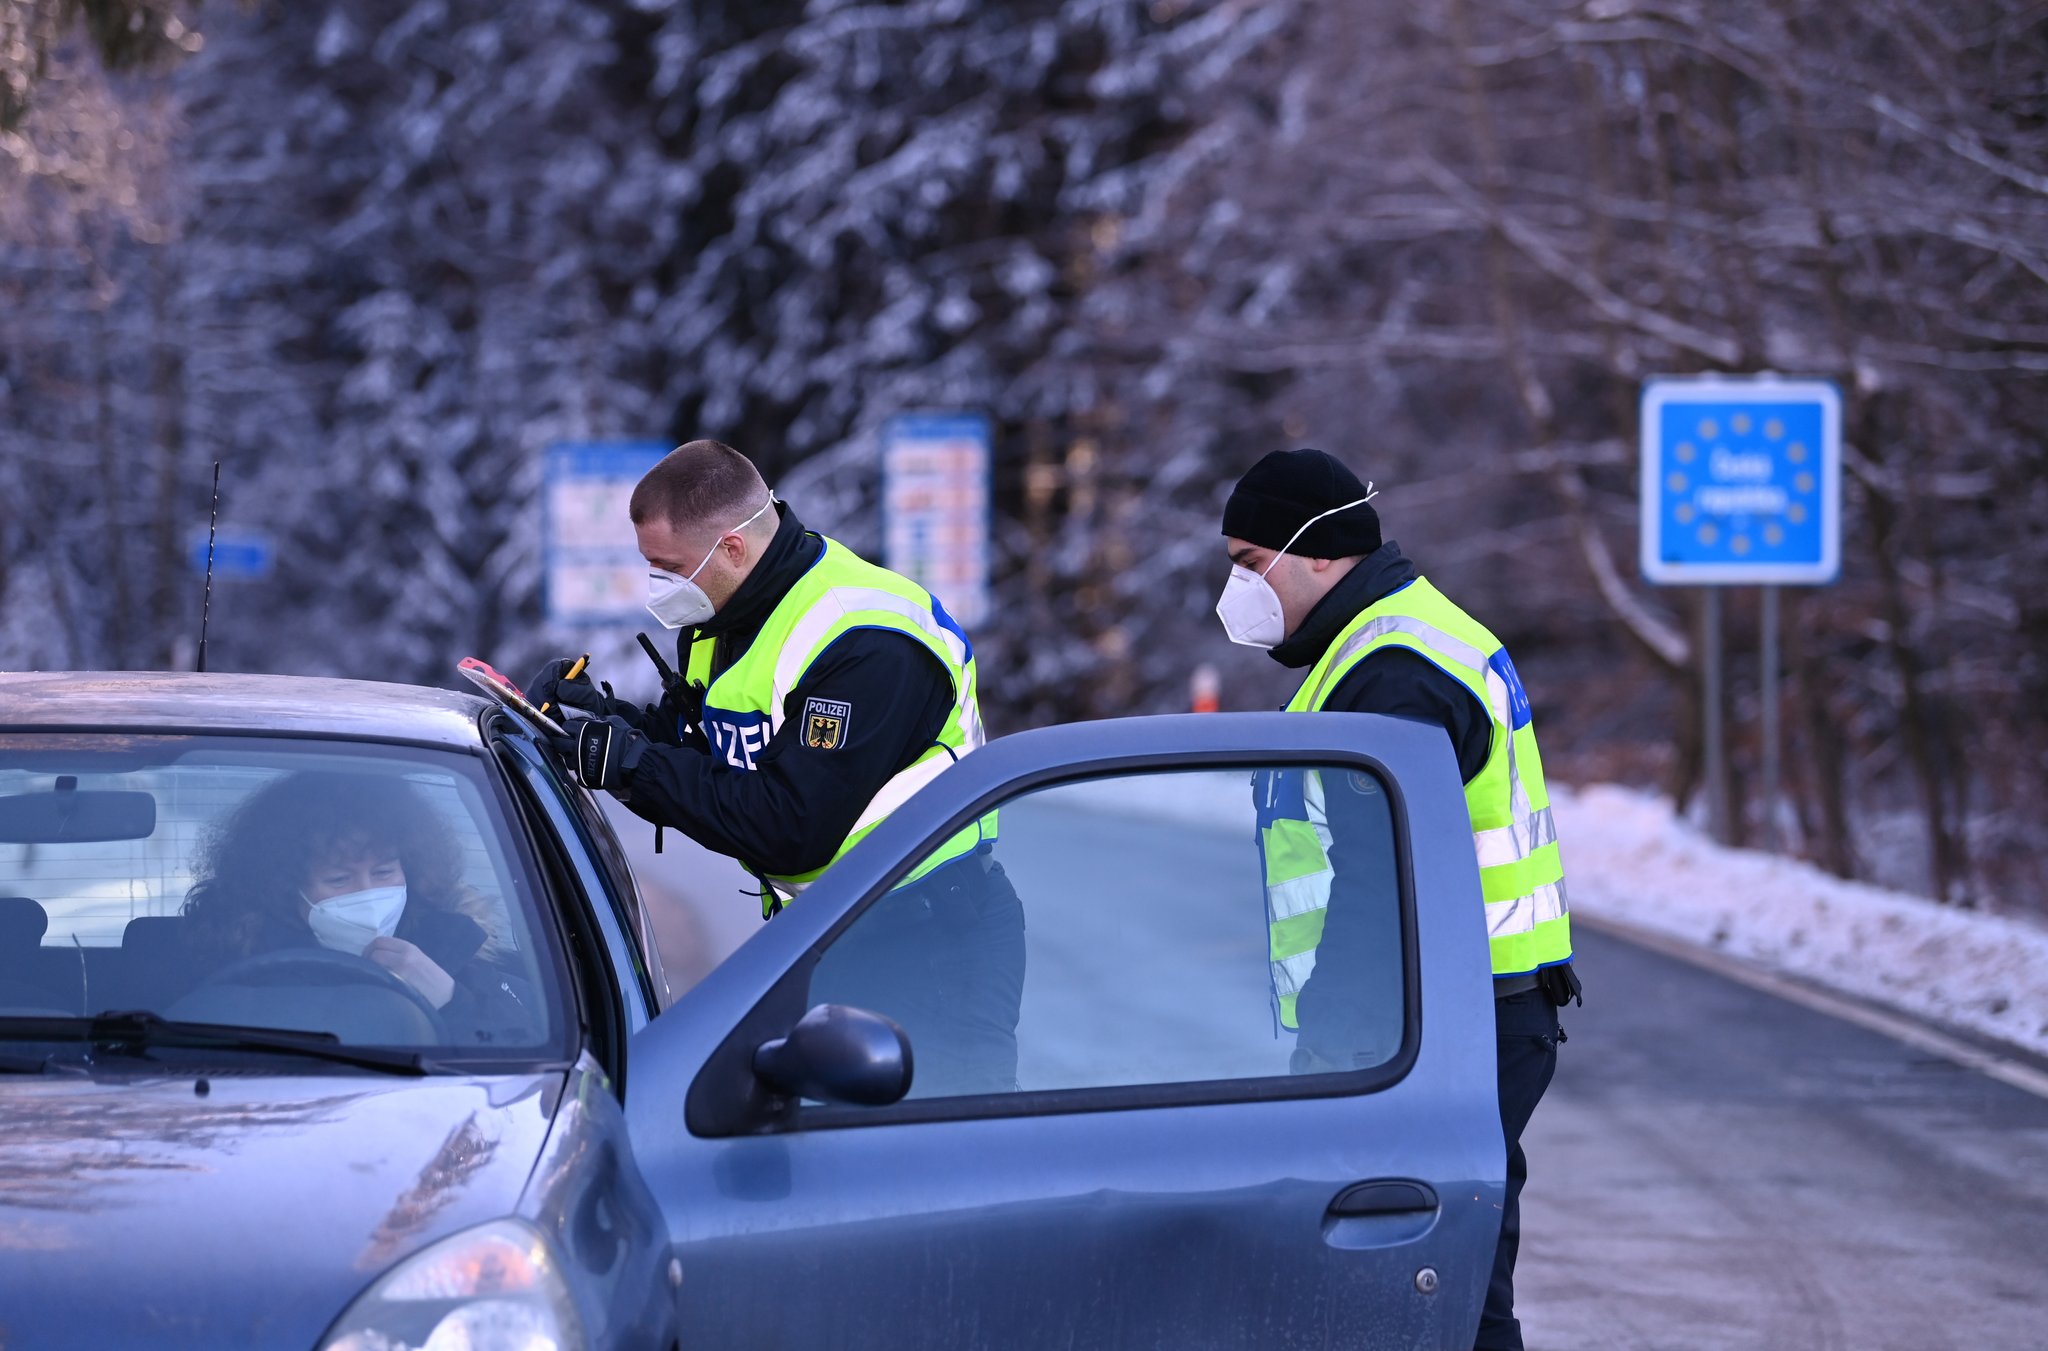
1899,1027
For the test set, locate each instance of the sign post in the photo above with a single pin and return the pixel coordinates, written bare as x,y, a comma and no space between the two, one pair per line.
935,508
1769,655
592,572
1741,486
1713,726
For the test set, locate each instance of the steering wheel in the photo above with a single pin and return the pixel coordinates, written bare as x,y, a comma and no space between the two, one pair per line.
322,966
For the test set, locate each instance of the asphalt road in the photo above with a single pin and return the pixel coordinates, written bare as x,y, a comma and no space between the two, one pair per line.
1715,1167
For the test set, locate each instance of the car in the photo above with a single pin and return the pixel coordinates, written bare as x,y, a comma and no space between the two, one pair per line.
225,1123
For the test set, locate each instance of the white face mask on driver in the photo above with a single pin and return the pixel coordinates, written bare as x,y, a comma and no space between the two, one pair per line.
1250,607
678,602
348,922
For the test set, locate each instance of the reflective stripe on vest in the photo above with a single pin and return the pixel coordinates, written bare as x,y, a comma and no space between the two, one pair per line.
1294,845
1513,831
744,707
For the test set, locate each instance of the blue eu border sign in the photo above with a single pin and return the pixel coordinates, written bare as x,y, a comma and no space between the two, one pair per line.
1742,482
591,571
935,507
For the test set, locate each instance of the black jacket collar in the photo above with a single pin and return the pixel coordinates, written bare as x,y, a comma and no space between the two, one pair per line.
1379,574
790,555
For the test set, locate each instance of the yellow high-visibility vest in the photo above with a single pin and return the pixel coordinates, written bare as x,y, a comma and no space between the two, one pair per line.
744,705
1528,922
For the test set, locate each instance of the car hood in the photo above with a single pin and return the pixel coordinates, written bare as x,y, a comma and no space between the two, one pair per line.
138,1212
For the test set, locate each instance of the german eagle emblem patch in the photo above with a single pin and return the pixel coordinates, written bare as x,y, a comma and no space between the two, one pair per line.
825,723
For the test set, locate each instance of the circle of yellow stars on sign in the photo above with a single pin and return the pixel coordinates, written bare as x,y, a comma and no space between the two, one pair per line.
1686,454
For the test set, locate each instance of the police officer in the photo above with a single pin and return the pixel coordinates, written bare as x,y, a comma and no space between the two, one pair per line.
818,692
1312,582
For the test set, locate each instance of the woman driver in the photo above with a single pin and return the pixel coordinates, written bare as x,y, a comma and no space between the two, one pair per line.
360,864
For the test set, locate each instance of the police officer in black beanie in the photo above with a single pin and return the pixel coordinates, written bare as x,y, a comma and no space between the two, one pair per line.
1310,575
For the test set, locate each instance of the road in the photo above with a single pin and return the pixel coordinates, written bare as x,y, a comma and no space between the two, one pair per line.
1717,1168
1714,1169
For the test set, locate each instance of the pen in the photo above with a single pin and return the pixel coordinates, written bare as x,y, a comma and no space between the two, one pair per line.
573,672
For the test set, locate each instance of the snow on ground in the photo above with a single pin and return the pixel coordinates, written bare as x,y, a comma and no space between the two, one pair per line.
1628,858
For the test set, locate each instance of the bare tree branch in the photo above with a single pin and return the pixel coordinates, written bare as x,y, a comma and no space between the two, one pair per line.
1959,143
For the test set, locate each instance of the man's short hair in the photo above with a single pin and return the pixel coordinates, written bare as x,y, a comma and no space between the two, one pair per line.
700,482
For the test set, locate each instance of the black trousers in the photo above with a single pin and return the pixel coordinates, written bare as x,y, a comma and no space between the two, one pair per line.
944,957
1526,1037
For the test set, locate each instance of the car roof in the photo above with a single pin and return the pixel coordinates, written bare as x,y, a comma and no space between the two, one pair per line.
184,701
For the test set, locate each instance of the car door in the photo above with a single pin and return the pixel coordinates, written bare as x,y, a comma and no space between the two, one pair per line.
1171,1167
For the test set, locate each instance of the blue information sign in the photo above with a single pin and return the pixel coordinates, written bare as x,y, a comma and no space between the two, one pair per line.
1741,481
593,571
243,553
935,508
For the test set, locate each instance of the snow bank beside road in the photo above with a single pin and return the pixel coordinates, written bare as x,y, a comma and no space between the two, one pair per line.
1629,859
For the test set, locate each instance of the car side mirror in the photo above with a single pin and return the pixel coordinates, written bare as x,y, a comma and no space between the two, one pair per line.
837,1053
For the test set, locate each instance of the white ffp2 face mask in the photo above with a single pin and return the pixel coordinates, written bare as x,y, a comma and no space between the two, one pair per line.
1250,607
678,602
348,922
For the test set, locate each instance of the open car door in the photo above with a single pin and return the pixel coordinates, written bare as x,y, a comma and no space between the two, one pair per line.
1167,1162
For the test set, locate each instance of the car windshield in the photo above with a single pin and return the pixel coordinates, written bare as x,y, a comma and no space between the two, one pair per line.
364,891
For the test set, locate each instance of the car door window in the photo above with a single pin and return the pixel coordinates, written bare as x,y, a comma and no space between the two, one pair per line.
1221,927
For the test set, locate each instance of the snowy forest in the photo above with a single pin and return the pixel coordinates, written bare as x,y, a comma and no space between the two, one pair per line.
375,256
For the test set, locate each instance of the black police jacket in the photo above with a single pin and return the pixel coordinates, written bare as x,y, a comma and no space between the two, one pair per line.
792,812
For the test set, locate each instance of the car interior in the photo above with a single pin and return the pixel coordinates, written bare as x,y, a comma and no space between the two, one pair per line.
97,868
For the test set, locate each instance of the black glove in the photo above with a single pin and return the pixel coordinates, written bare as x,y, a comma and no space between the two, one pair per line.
550,685
563,747
607,749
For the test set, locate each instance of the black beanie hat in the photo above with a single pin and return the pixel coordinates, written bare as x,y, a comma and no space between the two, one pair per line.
1289,487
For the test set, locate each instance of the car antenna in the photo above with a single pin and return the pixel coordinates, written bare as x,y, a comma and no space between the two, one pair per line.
206,603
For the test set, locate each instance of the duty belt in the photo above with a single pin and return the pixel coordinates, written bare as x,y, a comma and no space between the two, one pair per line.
1503,986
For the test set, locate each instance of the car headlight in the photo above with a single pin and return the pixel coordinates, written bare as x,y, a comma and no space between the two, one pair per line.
492,1288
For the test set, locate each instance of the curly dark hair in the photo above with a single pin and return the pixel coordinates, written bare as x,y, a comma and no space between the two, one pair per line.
253,864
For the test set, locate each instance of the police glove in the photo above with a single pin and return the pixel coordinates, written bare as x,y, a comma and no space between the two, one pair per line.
562,747
607,749
551,686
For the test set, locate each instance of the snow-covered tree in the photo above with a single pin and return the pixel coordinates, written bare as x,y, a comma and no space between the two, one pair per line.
401,247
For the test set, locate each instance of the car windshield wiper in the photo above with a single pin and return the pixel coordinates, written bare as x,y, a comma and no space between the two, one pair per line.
131,1033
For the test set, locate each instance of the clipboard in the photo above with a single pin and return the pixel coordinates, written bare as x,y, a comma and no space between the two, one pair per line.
507,694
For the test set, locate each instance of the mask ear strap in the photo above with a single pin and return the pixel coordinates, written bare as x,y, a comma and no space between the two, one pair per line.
1369,496
706,558
734,531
